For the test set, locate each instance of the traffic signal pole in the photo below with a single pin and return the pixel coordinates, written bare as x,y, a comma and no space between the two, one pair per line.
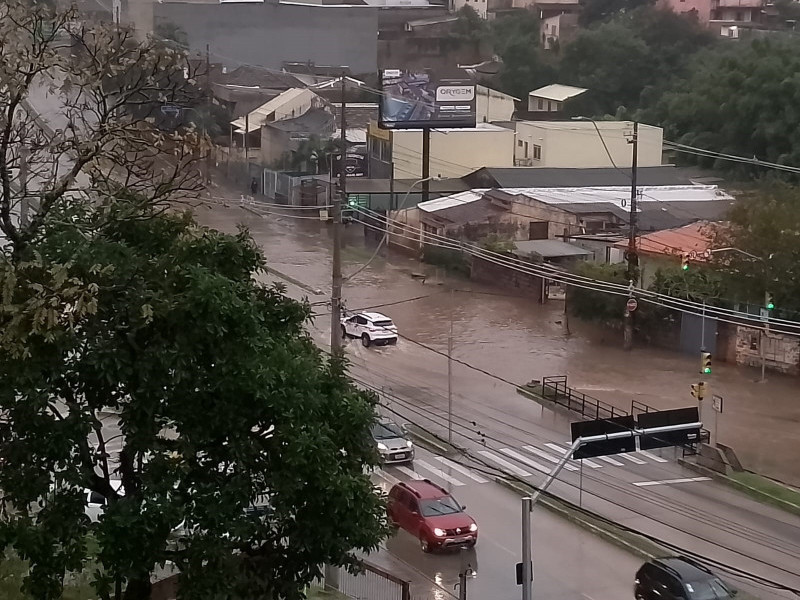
528,502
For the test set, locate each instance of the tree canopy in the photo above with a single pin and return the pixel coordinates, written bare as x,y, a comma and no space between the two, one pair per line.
147,353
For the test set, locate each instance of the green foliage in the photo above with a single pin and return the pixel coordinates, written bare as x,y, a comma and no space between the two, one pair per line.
766,225
147,352
594,11
314,155
598,306
738,99
495,242
515,38
695,284
453,261
469,27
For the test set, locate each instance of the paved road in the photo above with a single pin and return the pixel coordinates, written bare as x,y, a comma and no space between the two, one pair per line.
569,562
512,338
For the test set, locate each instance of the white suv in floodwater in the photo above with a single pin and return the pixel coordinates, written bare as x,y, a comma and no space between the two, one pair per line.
371,327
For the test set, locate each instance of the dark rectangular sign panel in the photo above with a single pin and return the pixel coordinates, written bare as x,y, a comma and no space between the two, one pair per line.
600,427
663,418
426,100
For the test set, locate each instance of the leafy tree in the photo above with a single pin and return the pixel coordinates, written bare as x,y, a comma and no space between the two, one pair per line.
591,305
594,11
764,227
515,38
496,242
737,99
93,138
147,352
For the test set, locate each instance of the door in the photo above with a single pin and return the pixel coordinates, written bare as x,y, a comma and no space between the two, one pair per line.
360,325
414,517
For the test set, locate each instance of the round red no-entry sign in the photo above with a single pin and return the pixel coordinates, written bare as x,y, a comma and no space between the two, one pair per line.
632,304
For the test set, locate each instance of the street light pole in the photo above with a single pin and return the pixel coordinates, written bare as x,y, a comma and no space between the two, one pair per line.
336,202
632,257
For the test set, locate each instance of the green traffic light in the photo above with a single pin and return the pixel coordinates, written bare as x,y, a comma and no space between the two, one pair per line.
685,267
707,370
770,306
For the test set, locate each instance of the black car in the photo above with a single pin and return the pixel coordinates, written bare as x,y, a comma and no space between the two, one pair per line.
679,578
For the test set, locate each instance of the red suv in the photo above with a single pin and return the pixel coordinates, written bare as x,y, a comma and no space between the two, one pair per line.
429,513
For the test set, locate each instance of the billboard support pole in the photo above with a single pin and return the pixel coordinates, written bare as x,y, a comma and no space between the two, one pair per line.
426,164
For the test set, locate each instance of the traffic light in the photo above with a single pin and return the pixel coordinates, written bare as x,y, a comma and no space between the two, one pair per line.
705,363
685,262
768,302
699,390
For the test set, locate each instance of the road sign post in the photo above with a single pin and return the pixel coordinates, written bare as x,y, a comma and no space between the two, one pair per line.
716,403
631,305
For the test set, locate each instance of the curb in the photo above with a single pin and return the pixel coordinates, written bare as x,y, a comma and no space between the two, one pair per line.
297,282
645,550
755,493
428,440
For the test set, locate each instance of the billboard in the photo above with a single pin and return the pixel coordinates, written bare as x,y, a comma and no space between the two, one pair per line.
424,100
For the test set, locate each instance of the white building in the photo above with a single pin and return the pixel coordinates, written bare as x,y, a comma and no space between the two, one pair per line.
585,144
492,105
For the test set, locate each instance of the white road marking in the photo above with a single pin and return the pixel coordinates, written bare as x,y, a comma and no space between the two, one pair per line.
548,457
461,469
586,461
668,481
409,472
630,457
390,479
652,456
610,461
504,463
438,472
525,460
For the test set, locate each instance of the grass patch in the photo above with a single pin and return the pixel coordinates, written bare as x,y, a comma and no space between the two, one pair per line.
766,486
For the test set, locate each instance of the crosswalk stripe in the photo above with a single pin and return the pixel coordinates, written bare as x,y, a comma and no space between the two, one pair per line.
461,469
549,457
611,461
651,456
586,461
525,460
504,463
409,472
438,472
631,458
390,479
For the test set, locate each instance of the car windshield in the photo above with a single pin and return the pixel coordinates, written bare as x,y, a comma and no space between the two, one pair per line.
439,506
383,323
386,431
708,590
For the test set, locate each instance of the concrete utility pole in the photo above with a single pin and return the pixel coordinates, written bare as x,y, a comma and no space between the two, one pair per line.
450,374
426,164
631,255
208,111
336,208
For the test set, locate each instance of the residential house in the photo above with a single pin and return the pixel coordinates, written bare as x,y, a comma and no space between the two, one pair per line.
245,88
726,17
285,136
543,177
453,152
287,105
558,29
582,144
492,105
548,102
271,32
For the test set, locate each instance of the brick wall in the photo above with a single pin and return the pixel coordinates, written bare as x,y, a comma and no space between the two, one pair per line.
781,352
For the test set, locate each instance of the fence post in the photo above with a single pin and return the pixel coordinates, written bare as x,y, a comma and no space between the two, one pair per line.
597,409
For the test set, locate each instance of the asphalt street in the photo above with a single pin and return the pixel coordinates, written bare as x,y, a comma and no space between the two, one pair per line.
569,562
503,430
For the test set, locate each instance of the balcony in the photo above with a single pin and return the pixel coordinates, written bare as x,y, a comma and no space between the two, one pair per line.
740,3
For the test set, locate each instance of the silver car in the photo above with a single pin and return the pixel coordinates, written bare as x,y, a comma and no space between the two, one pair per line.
391,442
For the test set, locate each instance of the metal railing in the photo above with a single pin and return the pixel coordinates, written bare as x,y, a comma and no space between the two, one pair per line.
372,583
555,389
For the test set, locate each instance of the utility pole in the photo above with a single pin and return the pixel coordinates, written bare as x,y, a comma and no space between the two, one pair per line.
336,287
426,164
632,258
24,208
450,375
208,111
527,560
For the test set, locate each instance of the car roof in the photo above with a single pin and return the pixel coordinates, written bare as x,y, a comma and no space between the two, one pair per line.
425,489
374,316
687,569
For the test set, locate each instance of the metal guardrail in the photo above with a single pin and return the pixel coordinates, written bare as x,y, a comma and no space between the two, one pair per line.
555,389
370,583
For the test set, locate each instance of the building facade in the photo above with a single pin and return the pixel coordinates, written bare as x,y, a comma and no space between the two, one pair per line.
577,144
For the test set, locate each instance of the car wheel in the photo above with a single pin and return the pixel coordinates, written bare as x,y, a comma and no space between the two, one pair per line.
344,332
365,341
423,543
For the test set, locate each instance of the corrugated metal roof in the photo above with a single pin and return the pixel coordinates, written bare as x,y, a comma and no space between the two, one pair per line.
557,92
519,177
548,249
694,237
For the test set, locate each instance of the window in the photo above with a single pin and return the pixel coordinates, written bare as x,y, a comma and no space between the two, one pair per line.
519,143
526,149
361,320
538,230
537,152
439,506
541,104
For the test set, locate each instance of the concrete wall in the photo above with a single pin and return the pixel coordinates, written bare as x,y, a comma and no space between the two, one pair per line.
454,152
269,33
576,144
492,105
702,7
781,352
503,277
